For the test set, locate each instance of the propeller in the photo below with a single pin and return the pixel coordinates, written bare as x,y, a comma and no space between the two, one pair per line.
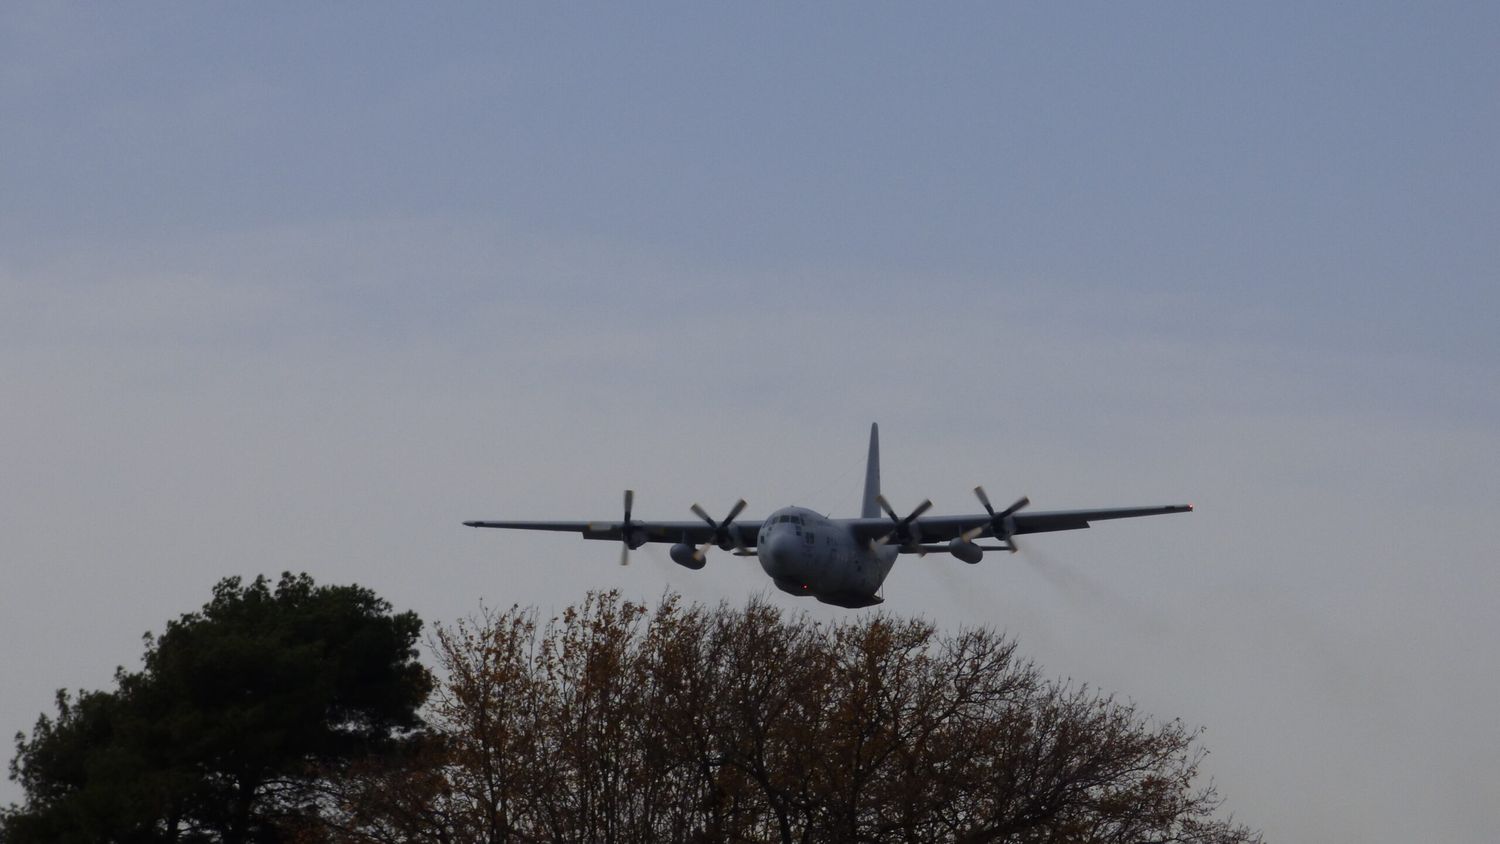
901,531
631,537
721,535
1001,523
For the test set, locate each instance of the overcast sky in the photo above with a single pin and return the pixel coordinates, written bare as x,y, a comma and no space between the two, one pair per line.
303,288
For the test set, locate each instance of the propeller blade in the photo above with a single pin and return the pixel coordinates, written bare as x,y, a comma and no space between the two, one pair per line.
902,528
1005,519
739,507
1023,501
997,518
972,533
721,535
985,500
921,508
732,536
625,528
1000,523
704,516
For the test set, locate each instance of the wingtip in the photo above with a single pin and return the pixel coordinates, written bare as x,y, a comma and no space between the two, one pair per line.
471,524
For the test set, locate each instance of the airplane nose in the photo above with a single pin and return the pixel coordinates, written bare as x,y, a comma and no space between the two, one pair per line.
776,553
789,545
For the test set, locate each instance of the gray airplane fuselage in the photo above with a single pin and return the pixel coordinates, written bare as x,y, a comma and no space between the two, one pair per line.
806,553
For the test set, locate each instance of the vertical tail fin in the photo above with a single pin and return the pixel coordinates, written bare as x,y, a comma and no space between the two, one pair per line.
872,476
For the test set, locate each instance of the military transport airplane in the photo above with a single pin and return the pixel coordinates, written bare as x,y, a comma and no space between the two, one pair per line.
838,561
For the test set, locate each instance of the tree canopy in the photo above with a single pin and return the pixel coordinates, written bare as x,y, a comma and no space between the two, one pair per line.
221,736
617,723
296,713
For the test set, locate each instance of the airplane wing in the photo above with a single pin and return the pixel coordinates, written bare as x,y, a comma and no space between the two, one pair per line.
943,528
694,532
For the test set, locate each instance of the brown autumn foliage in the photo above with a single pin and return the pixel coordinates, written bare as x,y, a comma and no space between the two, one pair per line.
619,723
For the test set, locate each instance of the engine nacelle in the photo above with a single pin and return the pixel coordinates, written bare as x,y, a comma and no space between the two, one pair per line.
965,550
634,538
683,555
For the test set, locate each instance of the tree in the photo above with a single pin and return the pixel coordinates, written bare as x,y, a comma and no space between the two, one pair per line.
222,734
616,723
